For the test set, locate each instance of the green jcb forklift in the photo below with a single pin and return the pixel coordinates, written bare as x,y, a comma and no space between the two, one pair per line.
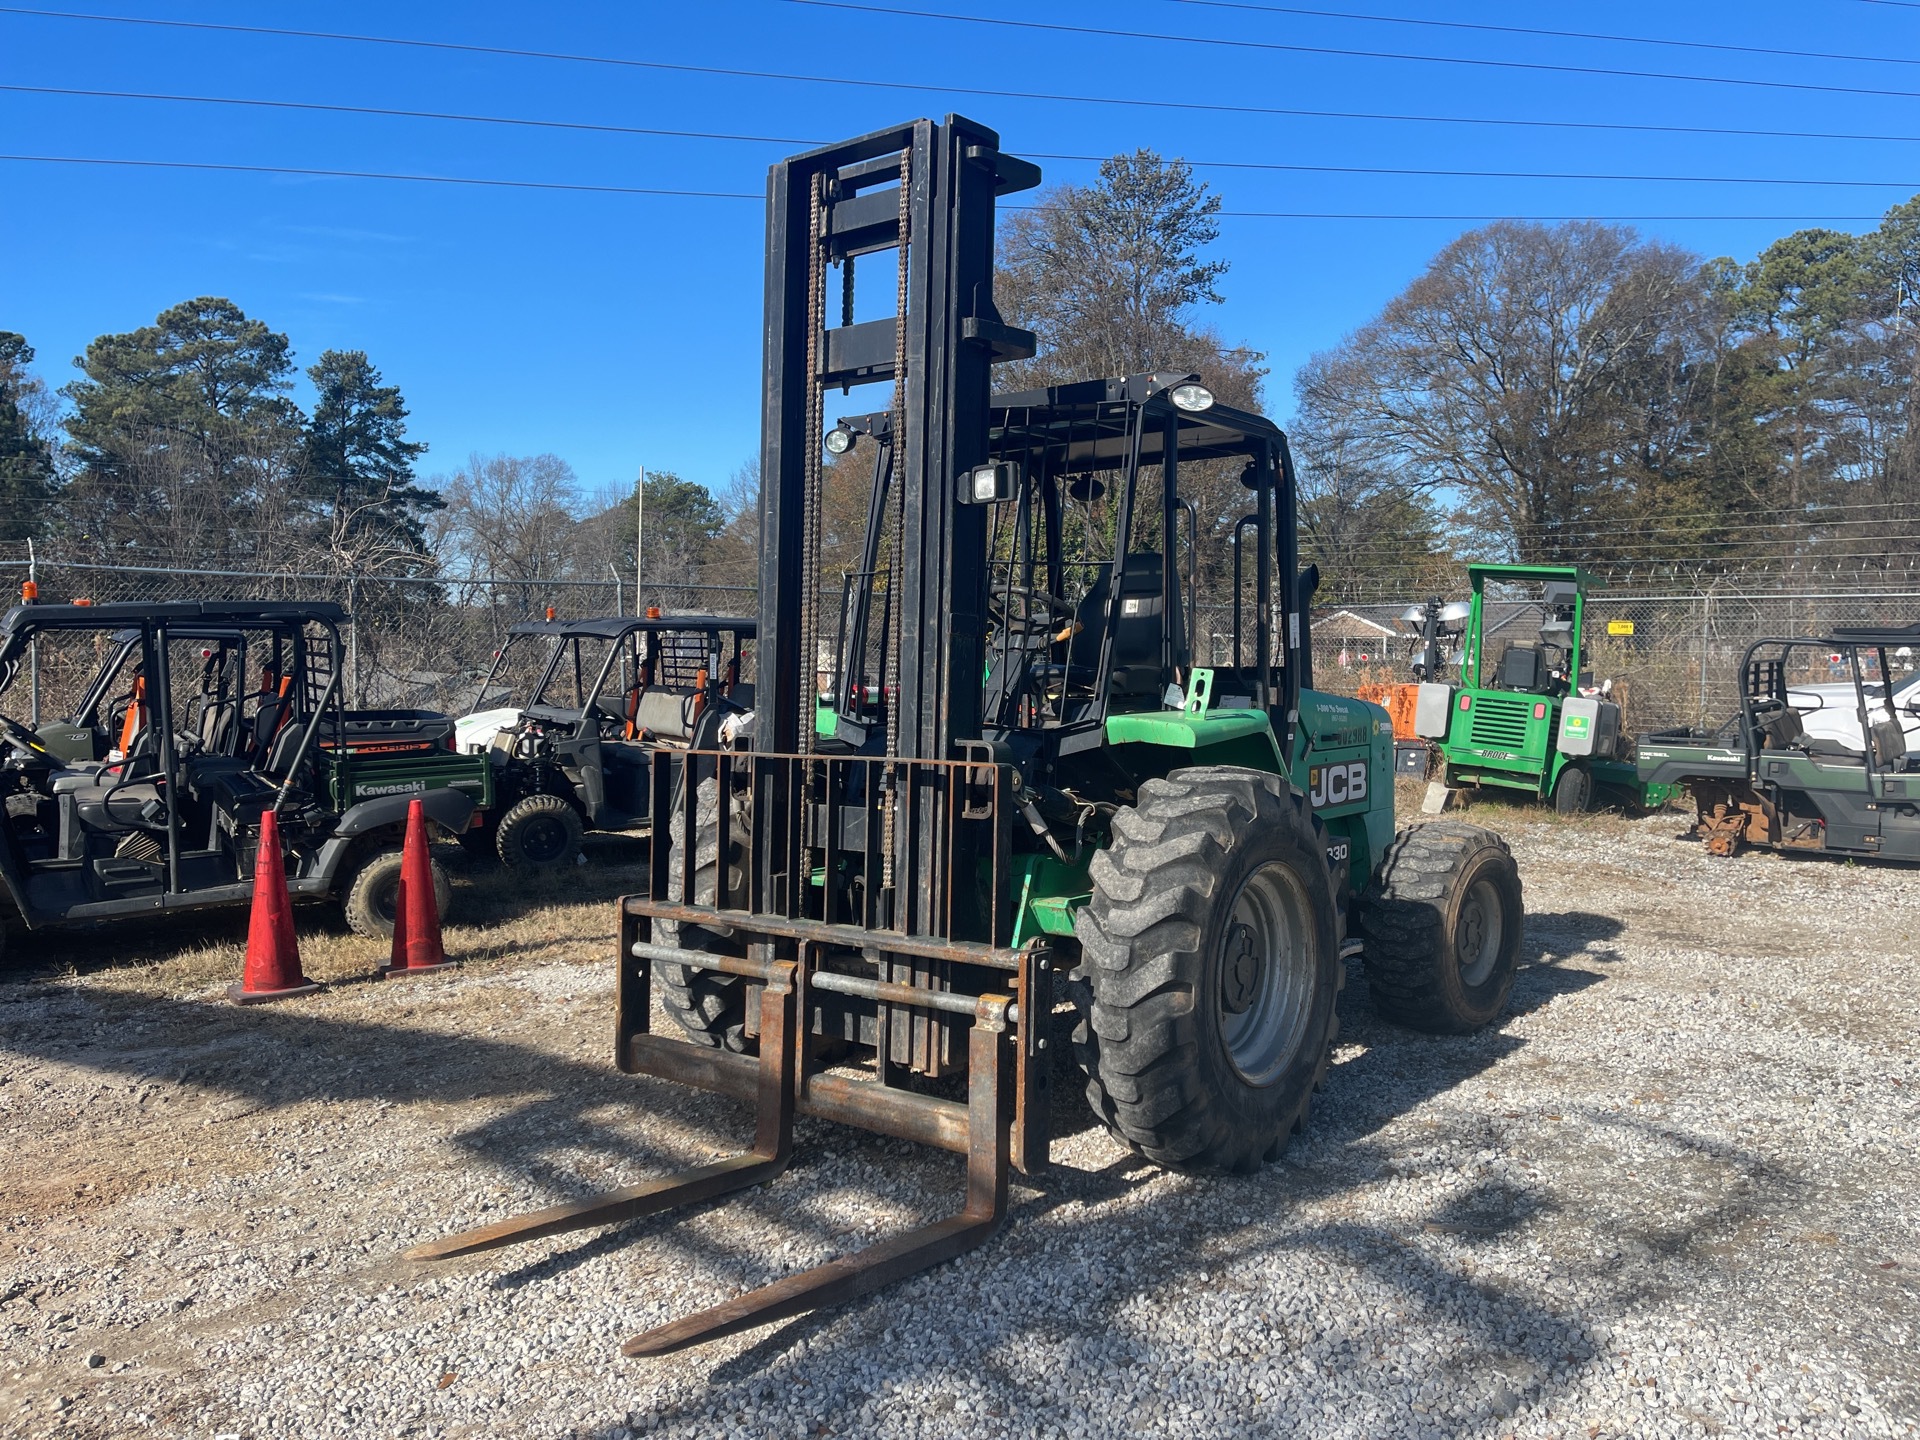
1524,714
1032,822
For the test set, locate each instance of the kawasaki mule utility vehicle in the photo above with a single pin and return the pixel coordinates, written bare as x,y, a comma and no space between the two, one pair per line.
609,694
1762,780
1524,714
1027,820
146,796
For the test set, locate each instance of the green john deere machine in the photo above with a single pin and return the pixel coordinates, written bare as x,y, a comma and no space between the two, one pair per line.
1524,714
1027,821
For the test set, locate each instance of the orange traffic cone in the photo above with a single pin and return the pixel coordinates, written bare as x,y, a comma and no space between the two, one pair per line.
272,971
416,911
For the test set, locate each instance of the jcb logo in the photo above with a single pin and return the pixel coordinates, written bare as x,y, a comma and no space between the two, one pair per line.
1330,785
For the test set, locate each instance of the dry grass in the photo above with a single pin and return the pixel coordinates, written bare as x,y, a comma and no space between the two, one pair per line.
497,914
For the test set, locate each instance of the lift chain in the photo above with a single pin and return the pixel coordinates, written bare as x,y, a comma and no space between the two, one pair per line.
815,440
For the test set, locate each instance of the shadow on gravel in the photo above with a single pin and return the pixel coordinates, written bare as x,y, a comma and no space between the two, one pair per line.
553,1128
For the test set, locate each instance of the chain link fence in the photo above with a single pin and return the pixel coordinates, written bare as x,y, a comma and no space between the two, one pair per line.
410,643
1673,658
429,643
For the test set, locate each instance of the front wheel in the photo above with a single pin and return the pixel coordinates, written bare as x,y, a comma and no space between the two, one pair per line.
1573,791
710,1005
372,901
1210,967
1442,920
541,832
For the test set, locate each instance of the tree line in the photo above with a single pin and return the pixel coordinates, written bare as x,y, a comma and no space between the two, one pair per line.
1579,393
179,445
1559,393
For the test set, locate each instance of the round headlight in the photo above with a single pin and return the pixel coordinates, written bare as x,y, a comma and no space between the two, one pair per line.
1191,397
839,440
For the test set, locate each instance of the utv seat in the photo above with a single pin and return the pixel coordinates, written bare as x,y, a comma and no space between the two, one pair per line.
664,713
1781,729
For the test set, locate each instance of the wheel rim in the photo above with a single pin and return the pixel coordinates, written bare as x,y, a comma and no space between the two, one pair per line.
1266,962
385,900
543,839
1476,939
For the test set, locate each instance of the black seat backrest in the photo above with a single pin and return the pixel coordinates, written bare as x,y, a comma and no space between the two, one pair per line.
1136,638
267,722
1782,729
279,758
1889,746
1520,668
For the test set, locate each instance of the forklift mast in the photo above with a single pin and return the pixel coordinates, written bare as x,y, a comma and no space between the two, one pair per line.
926,192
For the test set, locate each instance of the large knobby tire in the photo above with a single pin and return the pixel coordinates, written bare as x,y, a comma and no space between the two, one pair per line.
709,1005
373,897
1442,920
1573,791
1210,968
541,832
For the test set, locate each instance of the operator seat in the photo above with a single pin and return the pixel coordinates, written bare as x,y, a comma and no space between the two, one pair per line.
1889,746
1136,638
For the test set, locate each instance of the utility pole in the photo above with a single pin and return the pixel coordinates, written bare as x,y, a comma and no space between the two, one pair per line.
639,535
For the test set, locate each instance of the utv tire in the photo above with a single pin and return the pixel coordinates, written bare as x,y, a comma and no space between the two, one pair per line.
1442,920
372,899
1210,967
541,832
710,1006
479,844
1573,791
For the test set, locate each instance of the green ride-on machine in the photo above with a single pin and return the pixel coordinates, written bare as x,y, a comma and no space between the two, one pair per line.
1026,821
1524,716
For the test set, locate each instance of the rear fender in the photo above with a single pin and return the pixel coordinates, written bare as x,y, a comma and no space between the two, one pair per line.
450,809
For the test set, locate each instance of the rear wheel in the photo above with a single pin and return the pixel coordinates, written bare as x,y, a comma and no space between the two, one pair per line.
1573,791
541,832
710,1006
372,900
1210,966
1442,918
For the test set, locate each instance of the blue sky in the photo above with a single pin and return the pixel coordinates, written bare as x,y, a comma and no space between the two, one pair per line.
617,330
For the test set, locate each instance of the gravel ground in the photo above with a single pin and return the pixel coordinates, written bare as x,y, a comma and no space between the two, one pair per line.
1673,1194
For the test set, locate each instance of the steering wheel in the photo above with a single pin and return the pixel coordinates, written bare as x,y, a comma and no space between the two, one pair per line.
21,738
1056,609
135,822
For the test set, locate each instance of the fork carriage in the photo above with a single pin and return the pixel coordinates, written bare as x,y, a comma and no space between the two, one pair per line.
804,941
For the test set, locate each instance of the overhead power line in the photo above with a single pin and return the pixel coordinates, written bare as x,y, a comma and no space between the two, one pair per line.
1047,97
660,133
1346,53
497,183
1719,45
384,175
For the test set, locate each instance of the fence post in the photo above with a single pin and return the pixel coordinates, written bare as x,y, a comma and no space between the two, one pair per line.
33,645
1706,631
353,641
